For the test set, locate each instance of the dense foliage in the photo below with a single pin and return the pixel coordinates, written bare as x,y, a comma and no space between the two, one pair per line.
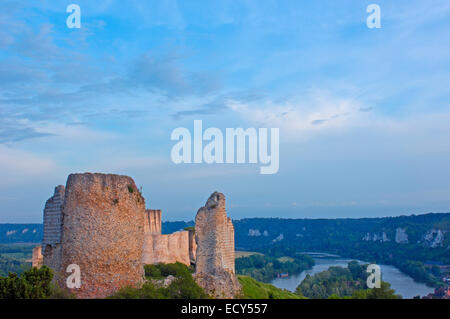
345,238
384,292
339,282
32,284
182,287
13,258
264,267
10,265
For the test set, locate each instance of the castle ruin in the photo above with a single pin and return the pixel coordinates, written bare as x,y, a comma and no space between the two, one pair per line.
99,222
166,249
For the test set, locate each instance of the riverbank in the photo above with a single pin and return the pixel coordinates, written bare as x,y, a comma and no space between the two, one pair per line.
402,283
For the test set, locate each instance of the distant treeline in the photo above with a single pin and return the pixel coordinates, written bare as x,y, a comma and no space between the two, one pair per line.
340,282
33,233
265,267
348,238
325,234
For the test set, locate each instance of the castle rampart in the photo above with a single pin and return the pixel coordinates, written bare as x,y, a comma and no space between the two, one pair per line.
99,223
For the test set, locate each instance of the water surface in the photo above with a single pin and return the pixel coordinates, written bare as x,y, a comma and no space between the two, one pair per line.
403,284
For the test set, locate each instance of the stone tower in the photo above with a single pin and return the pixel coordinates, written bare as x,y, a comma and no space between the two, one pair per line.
51,243
214,233
102,232
160,248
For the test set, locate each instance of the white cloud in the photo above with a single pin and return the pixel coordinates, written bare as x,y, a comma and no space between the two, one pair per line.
318,112
19,167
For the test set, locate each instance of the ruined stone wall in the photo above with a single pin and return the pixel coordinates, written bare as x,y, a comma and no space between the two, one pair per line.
167,248
51,242
103,233
52,218
228,246
153,221
37,258
214,234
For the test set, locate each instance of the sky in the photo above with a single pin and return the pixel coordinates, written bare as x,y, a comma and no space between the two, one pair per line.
363,113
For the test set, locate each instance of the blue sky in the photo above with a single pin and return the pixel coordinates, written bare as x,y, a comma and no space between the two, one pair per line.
363,113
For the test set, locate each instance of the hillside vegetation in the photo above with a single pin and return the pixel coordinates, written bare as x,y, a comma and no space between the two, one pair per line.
253,289
266,267
340,282
165,281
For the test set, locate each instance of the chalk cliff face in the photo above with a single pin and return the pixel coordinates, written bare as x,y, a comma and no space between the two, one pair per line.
434,238
381,237
214,233
103,233
401,237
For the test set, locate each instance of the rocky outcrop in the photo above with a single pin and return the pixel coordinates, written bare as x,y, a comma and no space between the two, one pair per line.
401,237
280,237
103,233
254,232
257,233
214,233
381,237
434,238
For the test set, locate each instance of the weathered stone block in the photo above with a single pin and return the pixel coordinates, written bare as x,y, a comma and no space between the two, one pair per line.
167,249
153,221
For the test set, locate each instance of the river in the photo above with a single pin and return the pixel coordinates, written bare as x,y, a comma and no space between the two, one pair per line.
403,284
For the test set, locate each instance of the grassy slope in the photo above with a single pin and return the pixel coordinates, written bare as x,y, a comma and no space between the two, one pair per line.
257,290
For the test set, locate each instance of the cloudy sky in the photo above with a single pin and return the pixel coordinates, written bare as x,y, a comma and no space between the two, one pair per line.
364,114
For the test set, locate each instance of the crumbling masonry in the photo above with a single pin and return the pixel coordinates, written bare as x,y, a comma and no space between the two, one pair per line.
214,233
99,222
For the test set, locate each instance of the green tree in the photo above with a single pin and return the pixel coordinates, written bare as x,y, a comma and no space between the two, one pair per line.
32,284
384,292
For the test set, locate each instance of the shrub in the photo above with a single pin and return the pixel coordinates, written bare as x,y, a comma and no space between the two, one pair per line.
152,271
32,284
177,269
183,287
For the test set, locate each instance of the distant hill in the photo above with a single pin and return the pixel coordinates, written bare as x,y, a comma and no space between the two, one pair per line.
21,233
427,230
418,244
